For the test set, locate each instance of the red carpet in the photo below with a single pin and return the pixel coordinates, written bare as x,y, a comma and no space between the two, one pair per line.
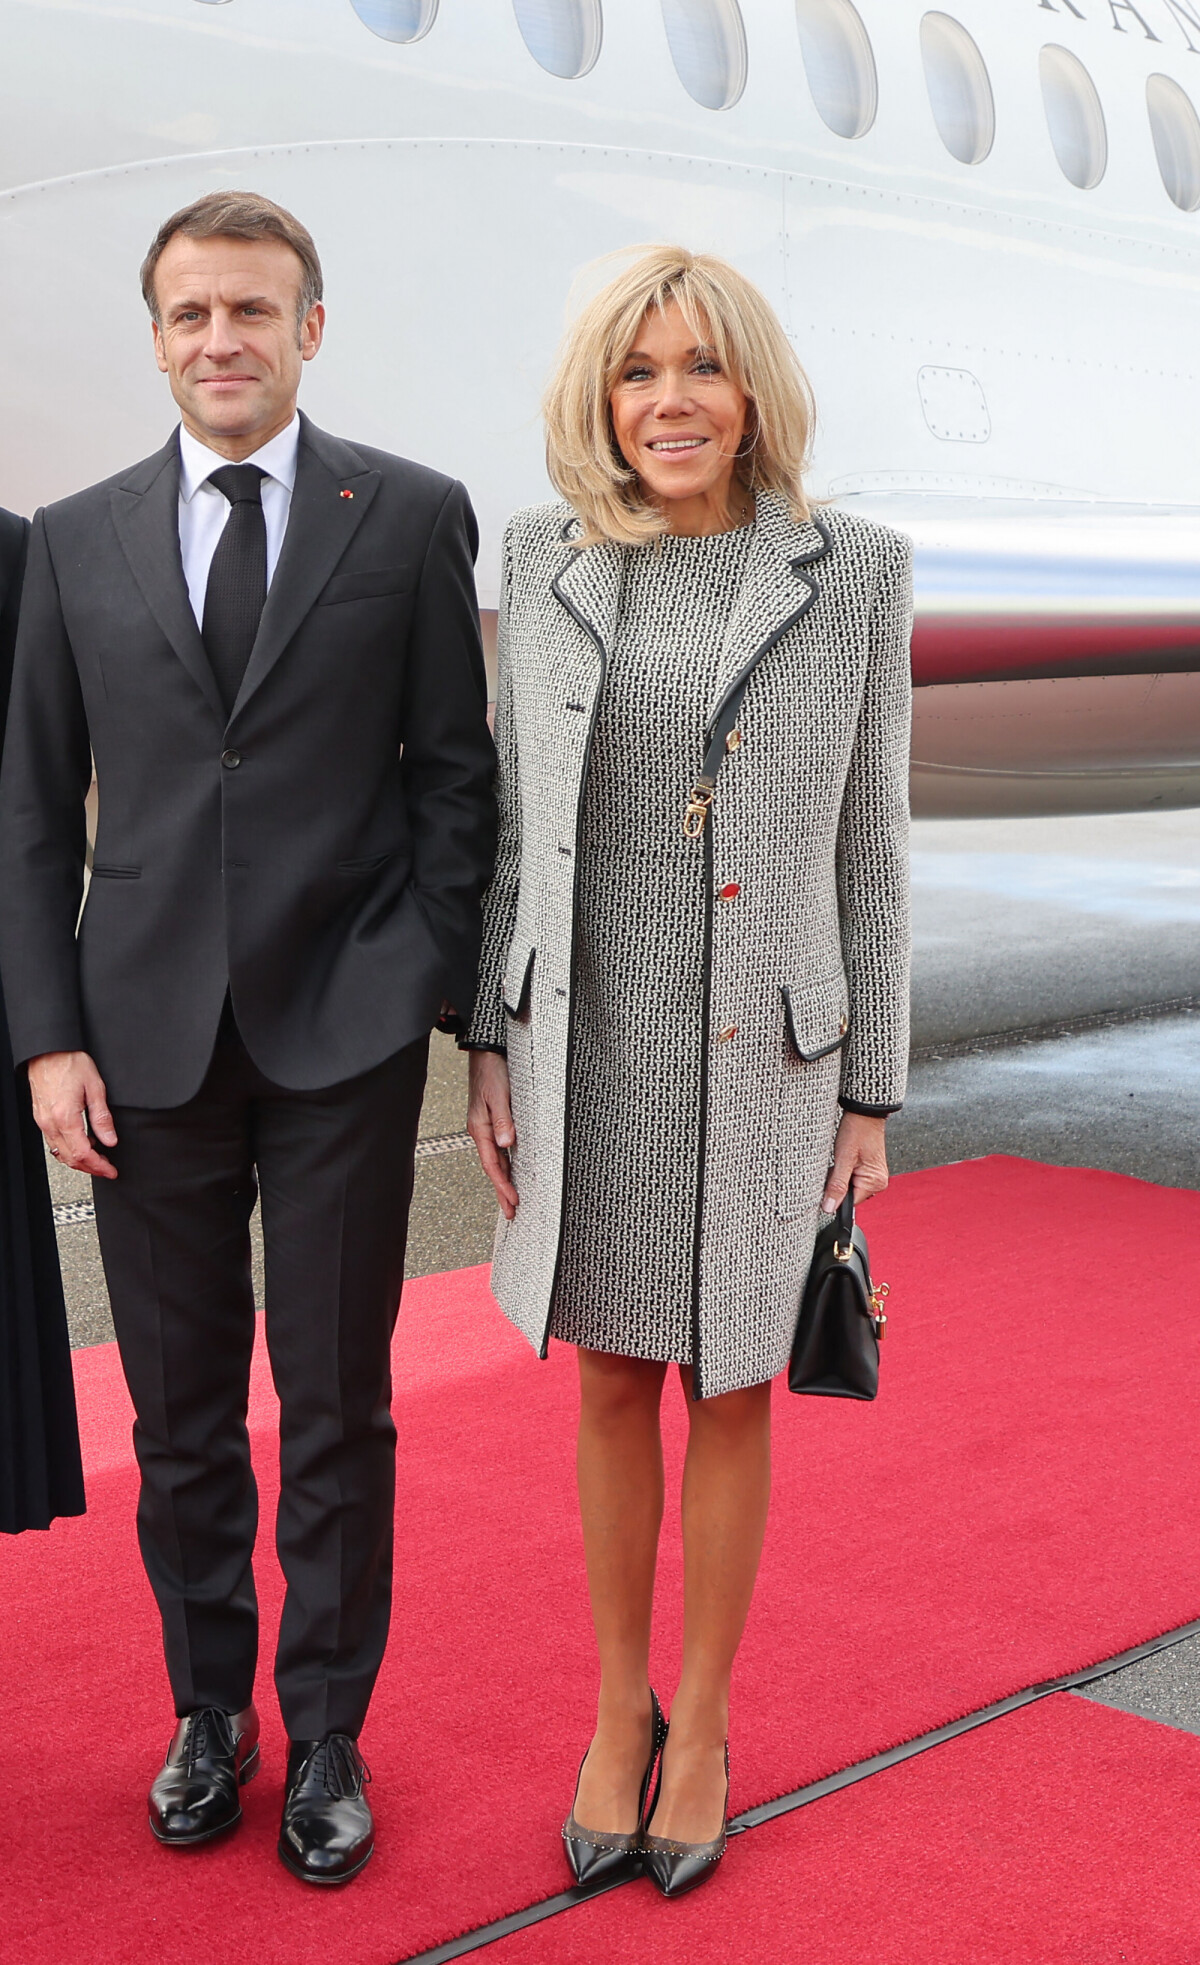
1019,1503
1065,1834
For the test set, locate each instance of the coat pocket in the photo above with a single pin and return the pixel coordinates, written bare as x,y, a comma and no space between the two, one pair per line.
816,1016
102,872
518,1006
518,978
814,1024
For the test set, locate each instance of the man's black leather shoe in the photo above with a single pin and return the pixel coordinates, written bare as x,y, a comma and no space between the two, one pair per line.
211,1757
327,1834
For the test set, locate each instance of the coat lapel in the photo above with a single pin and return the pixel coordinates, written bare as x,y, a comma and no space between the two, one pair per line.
589,585
145,511
781,585
321,524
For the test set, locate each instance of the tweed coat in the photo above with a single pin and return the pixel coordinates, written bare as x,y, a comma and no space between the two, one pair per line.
806,978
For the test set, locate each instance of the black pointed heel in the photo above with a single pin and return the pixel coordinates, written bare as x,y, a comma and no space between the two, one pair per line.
674,1868
595,1855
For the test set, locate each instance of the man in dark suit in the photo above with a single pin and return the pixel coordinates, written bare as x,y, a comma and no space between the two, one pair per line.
268,641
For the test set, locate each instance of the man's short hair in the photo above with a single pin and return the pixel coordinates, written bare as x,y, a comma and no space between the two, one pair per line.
237,215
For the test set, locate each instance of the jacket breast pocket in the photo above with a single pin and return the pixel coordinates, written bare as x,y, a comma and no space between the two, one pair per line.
371,864
104,872
372,583
814,1023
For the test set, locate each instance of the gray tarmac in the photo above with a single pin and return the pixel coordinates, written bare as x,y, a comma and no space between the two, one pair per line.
1056,1015
1165,1687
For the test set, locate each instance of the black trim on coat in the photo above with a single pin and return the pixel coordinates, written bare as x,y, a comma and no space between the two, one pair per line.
823,1050
702,1118
590,631
522,996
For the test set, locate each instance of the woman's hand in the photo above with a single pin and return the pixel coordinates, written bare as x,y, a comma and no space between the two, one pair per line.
859,1155
490,1124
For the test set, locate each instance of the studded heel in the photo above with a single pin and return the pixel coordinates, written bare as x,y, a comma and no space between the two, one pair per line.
597,1854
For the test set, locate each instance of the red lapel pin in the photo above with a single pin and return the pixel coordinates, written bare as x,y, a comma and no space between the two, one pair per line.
347,494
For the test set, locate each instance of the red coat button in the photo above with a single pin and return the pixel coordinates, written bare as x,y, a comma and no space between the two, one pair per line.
730,891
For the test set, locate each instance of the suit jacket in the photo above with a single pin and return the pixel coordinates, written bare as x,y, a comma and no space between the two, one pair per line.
319,853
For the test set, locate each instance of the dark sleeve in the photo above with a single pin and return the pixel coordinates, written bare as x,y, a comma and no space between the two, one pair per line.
44,779
449,760
488,1027
14,542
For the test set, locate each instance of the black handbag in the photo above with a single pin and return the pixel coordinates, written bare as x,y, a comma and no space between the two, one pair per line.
835,1351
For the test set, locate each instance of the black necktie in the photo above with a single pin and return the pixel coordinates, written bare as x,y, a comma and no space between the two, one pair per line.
237,579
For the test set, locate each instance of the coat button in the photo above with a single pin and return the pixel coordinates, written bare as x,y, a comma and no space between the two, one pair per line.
729,891
843,1025
723,1036
231,759
733,741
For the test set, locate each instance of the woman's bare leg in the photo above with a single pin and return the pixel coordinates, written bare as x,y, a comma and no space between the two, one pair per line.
726,1491
620,1504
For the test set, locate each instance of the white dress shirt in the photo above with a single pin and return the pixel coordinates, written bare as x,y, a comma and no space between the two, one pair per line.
203,509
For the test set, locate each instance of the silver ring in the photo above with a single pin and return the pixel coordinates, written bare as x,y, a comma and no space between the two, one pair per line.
55,1152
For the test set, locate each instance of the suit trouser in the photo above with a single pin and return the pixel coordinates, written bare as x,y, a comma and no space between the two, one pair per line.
335,1172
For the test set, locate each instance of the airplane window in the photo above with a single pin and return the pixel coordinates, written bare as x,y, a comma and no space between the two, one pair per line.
708,46
397,20
960,94
1175,128
563,35
1073,116
839,64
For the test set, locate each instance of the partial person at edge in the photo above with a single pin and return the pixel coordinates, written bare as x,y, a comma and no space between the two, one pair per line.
41,1476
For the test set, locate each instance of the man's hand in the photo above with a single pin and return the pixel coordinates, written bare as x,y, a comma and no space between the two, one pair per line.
69,1102
859,1155
490,1124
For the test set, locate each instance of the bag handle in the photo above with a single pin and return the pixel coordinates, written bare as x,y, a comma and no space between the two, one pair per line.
843,1247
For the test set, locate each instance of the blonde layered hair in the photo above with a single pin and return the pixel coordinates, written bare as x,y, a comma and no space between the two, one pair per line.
726,311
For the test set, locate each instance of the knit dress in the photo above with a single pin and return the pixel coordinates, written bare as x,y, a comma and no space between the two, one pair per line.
626,1276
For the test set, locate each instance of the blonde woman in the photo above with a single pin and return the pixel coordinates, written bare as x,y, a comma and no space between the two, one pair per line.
692,1017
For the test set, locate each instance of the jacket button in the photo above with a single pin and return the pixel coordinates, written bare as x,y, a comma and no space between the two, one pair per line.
730,891
231,759
723,1036
733,741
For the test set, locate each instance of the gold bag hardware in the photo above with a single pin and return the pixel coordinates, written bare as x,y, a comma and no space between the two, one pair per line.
879,1296
699,806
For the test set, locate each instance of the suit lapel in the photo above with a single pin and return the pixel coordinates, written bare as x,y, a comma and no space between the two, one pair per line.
145,511
322,521
780,586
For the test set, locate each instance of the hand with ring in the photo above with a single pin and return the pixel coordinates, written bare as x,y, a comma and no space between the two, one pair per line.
71,1108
